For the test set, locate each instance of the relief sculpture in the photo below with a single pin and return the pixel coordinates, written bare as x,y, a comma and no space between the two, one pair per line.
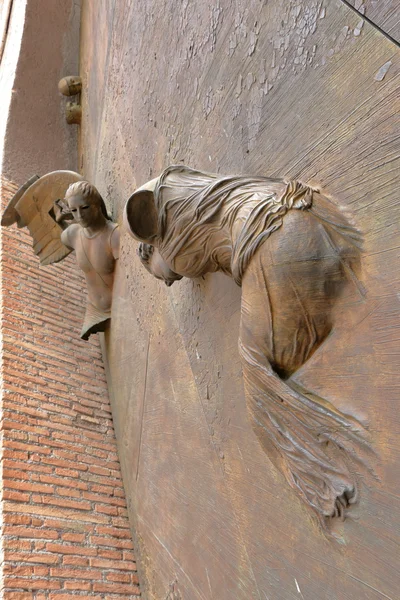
292,250
47,206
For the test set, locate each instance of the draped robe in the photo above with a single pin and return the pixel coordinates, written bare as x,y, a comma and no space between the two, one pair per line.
292,251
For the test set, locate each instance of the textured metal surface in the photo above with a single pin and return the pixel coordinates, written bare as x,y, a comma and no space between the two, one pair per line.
270,89
384,14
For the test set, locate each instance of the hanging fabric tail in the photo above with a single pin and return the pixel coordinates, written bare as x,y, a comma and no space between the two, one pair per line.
286,314
309,441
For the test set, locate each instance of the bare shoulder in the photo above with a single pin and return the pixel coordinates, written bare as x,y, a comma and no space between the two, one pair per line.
69,235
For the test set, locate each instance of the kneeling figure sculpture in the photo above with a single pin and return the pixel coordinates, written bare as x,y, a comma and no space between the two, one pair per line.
191,223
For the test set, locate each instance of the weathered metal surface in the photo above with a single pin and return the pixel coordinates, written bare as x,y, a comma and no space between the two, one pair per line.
271,89
385,14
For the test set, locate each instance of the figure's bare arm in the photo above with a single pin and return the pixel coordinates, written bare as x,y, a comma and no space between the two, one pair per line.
114,241
68,236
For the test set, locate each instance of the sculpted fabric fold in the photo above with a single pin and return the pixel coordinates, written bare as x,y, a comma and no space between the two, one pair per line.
193,207
290,284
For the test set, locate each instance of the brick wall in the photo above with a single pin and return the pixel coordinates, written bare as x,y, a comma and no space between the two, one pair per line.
65,532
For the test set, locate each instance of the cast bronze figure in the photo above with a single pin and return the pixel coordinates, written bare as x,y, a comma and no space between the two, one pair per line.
95,239
39,206
292,251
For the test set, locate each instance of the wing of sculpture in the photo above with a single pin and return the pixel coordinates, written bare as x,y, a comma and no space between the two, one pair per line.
33,206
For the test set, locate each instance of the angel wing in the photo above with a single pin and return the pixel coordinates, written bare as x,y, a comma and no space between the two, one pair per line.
33,207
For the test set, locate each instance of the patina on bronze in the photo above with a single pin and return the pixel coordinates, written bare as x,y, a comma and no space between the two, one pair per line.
292,251
95,239
39,206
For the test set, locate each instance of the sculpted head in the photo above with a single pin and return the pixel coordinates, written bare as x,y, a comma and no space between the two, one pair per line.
154,263
141,221
141,217
86,205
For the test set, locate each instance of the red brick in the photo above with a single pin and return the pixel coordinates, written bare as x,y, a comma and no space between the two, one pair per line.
18,571
78,561
15,496
66,464
109,500
107,510
41,571
103,489
17,519
128,555
26,466
70,456
122,565
17,544
27,447
114,588
113,554
61,480
68,492
83,586
105,541
26,486
32,584
99,470
40,545
14,420
114,532
63,436
73,537
76,573
120,522
35,557
69,549
68,524
74,597
67,473
10,453
53,500
46,534
119,577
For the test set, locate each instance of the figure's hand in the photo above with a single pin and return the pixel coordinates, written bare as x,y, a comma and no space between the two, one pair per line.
62,213
154,263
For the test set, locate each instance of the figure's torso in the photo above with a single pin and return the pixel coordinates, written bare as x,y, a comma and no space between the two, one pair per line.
94,257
